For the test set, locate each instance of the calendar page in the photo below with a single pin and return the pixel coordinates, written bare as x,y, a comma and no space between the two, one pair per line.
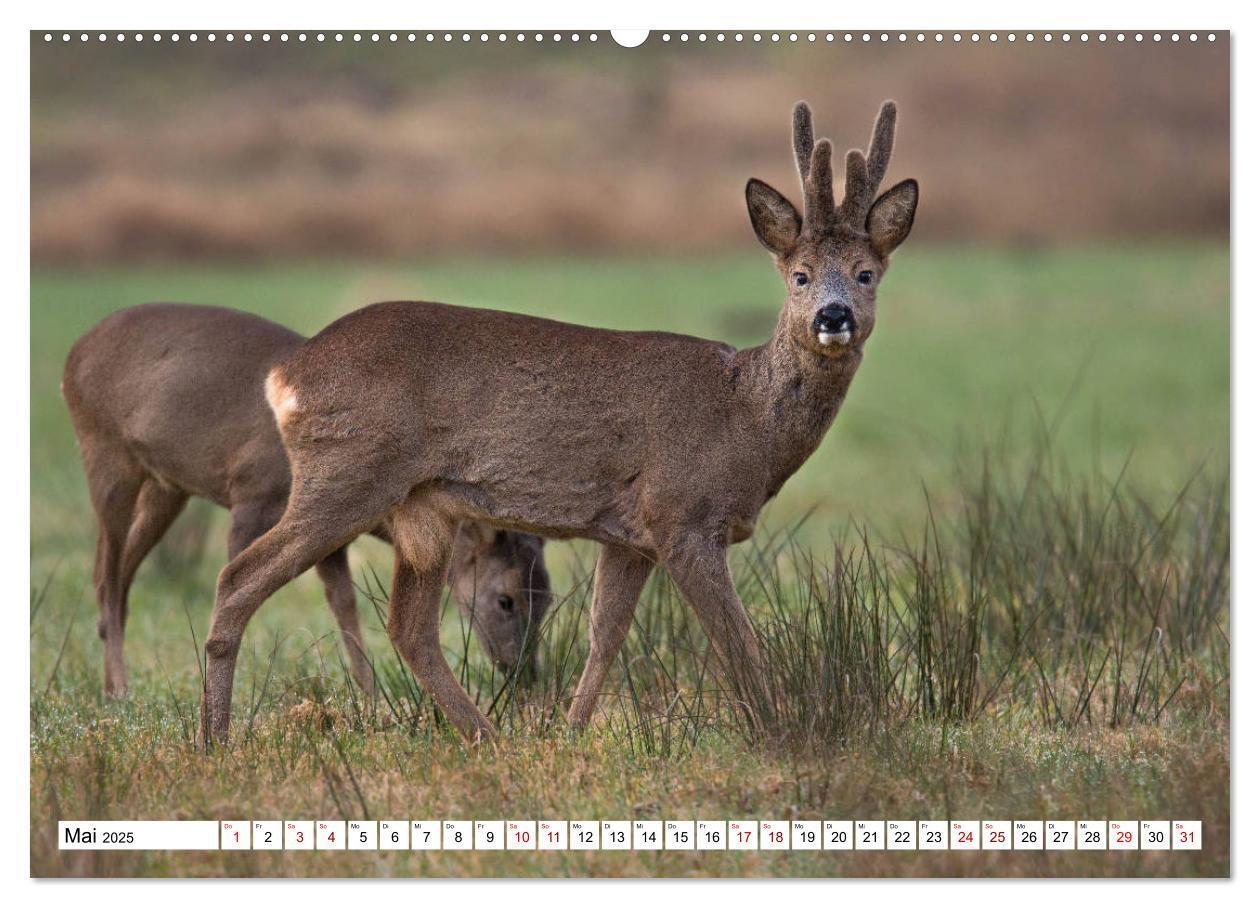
797,452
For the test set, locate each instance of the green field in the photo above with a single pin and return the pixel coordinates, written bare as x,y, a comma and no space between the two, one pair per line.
1107,367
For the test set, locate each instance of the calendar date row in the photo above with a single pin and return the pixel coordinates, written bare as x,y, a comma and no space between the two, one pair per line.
636,835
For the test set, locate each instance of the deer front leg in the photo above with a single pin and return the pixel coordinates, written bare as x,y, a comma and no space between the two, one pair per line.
700,570
619,577
422,552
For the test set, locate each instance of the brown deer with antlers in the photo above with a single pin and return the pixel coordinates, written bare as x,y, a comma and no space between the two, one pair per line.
661,447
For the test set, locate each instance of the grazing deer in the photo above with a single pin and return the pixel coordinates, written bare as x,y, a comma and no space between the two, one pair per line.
167,402
661,447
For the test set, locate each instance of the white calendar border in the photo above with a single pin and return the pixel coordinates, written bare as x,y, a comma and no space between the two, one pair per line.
661,14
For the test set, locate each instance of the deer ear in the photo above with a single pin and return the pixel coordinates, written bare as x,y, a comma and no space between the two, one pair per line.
473,540
775,220
892,216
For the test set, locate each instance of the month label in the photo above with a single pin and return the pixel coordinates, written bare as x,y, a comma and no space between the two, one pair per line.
138,835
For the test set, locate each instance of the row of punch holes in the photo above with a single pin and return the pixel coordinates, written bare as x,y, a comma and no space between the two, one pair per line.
575,37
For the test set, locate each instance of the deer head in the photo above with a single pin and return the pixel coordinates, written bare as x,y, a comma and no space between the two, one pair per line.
833,257
500,581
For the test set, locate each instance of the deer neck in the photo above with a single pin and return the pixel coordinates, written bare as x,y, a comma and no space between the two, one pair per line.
795,394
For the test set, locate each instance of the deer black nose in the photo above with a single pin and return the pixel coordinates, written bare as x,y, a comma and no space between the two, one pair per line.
834,319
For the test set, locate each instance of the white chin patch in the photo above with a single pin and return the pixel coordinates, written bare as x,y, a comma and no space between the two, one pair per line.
839,339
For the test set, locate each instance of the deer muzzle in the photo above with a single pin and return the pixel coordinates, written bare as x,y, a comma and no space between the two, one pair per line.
834,324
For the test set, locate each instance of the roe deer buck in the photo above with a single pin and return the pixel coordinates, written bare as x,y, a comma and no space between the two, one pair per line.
167,402
662,447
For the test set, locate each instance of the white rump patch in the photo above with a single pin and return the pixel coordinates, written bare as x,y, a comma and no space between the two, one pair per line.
281,398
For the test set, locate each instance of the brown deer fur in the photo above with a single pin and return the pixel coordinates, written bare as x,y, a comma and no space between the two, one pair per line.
661,447
167,402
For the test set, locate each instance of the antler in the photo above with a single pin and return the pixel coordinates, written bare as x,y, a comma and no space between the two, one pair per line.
813,163
863,174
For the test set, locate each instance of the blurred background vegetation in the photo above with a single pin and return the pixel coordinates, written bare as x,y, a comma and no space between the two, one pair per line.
274,150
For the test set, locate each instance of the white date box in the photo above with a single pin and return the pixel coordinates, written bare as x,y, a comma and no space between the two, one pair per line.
299,835
234,835
583,835
426,835
741,835
457,835
393,835
553,835
933,835
268,835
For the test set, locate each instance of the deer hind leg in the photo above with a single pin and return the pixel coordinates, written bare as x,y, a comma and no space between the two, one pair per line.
114,481
422,550
334,571
314,525
620,574
156,509
701,572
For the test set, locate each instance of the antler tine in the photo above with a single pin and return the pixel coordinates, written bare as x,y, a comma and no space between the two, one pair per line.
852,211
802,139
820,203
864,173
880,149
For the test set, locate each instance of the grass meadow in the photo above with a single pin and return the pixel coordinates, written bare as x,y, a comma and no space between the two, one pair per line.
1000,589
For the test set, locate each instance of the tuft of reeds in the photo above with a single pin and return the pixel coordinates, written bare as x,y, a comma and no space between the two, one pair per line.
1060,600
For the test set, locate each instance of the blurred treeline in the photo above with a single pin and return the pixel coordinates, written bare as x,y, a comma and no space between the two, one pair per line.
290,150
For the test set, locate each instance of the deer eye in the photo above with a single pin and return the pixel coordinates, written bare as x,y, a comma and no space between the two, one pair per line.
865,278
800,278
506,602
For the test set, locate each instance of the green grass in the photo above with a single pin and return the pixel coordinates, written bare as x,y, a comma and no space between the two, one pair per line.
1007,663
